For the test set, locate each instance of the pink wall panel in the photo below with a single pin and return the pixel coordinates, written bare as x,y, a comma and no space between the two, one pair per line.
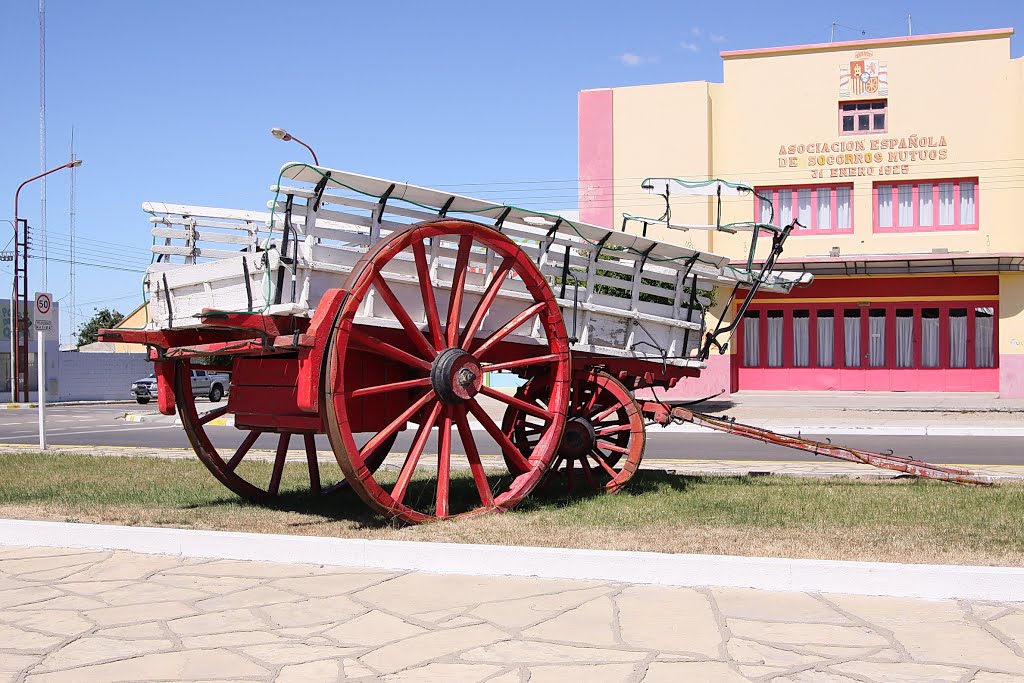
596,158
881,379
713,379
1011,376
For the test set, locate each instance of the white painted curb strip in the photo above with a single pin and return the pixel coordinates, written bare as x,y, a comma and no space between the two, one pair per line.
773,574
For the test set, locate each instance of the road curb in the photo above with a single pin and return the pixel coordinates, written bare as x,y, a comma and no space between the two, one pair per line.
764,573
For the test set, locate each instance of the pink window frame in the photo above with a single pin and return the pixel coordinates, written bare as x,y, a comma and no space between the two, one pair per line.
838,337
891,187
813,228
871,112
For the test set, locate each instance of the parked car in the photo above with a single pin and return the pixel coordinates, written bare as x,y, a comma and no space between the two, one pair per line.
212,385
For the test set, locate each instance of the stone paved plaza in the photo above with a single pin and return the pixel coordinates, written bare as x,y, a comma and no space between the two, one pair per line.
80,616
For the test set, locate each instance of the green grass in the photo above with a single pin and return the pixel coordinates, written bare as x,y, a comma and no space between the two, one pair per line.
896,520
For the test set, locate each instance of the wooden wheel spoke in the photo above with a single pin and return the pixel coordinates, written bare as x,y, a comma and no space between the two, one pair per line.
608,446
606,412
427,293
588,474
523,362
282,453
394,386
243,449
458,289
508,328
395,425
394,353
605,466
415,451
511,451
311,462
415,336
589,408
615,429
212,415
483,488
444,463
528,408
570,465
482,306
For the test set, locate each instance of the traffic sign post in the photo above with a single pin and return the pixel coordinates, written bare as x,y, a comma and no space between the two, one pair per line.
43,324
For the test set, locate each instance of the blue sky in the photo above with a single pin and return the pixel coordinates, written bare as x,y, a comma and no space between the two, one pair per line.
173,101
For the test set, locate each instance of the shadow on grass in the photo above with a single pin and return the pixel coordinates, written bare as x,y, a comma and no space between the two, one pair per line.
346,505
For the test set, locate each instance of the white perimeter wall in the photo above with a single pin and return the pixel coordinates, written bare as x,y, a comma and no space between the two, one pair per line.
99,376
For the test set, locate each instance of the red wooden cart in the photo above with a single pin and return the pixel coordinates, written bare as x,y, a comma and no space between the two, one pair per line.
360,308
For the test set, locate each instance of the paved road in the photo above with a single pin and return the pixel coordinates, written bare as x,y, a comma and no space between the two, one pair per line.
102,425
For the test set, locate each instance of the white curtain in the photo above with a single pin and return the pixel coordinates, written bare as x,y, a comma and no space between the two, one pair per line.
842,208
945,203
930,338
775,323
876,340
851,340
905,198
751,341
958,338
967,216
925,204
826,341
801,339
885,206
785,209
905,339
766,209
803,204
984,319
824,197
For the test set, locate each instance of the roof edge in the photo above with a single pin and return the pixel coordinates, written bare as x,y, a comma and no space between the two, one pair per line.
848,44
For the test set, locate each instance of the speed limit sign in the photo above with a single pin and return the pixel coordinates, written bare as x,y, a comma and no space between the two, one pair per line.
44,312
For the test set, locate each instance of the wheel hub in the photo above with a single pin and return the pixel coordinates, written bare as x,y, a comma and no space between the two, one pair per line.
579,438
456,376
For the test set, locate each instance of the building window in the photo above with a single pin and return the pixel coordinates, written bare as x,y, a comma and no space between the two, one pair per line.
752,339
926,206
820,209
850,337
869,116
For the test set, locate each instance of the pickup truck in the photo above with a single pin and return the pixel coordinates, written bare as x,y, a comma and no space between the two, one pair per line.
213,385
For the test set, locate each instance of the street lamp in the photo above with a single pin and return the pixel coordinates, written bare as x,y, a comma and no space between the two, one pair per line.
19,352
282,134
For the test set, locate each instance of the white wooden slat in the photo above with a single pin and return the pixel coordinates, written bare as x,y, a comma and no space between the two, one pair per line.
203,236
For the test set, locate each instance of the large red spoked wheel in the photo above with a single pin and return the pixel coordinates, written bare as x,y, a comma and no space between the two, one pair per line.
227,469
604,437
445,364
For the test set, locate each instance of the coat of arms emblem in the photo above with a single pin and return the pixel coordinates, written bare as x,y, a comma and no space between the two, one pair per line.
863,78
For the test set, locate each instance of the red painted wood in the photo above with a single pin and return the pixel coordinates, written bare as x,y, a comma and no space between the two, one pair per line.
863,288
311,360
164,371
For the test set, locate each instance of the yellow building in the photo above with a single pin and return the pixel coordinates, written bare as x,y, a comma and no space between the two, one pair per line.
899,157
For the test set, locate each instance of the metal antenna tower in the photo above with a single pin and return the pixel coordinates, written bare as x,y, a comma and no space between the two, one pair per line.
42,138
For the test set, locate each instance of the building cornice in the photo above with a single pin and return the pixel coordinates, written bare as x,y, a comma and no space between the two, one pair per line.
870,43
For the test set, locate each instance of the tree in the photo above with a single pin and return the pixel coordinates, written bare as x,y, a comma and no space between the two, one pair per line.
102,318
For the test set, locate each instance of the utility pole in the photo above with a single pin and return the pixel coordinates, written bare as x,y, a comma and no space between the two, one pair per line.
910,25
42,138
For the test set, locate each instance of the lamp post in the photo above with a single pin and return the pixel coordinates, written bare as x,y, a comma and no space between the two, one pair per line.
19,351
282,134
